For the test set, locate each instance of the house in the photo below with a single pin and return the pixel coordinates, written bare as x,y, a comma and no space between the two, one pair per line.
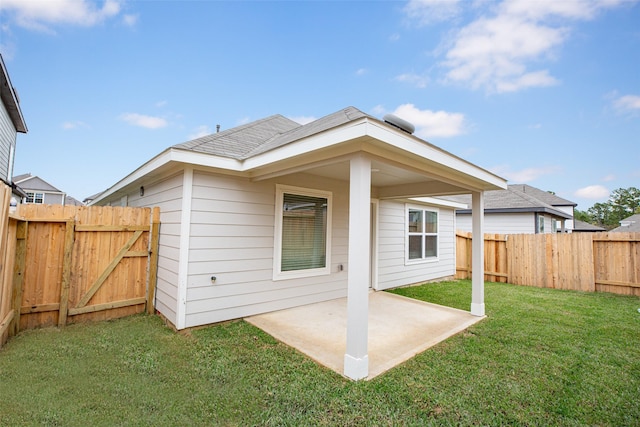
39,191
273,214
520,209
585,227
11,123
629,225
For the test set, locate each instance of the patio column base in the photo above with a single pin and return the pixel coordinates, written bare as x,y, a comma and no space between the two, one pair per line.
477,309
356,369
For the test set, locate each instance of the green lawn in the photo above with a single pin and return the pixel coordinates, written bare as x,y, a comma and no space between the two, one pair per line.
542,357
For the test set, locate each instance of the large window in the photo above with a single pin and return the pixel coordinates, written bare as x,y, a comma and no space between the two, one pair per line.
422,234
34,198
303,224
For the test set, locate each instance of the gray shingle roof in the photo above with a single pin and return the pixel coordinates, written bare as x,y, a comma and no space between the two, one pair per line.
514,199
630,224
235,143
545,196
585,226
263,135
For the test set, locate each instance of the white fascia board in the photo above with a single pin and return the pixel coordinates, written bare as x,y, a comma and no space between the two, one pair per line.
318,141
439,202
168,156
431,152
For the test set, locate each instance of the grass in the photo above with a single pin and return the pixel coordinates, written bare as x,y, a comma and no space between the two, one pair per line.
542,357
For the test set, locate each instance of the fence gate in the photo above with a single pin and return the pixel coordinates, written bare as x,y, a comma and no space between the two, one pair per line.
77,263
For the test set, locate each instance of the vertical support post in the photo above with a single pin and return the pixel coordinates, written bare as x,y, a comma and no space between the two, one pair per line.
356,359
153,259
18,274
185,236
66,272
477,243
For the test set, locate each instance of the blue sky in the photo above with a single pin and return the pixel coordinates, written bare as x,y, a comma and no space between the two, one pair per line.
540,92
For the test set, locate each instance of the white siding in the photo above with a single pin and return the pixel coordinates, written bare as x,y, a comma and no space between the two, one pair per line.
167,195
7,140
232,237
392,269
504,223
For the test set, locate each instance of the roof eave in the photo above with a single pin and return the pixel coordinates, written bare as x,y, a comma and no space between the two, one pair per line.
533,209
10,99
170,155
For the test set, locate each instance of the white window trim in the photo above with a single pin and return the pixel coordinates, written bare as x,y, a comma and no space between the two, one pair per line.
35,196
278,274
436,258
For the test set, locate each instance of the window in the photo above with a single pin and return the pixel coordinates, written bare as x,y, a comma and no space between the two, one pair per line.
37,198
422,234
541,224
303,224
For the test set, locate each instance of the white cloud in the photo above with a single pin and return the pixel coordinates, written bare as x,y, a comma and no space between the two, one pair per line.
303,120
627,103
161,104
592,192
77,124
130,20
361,71
200,131
432,124
394,37
144,121
426,12
609,178
502,49
378,110
524,175
417,80
38,14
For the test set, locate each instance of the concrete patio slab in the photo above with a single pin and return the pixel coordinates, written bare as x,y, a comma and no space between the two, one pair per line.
399,328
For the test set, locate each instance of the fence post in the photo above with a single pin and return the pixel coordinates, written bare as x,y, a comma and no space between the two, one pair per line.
22,228
153,259
66,272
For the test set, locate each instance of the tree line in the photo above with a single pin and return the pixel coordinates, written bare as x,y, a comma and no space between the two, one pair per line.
622,203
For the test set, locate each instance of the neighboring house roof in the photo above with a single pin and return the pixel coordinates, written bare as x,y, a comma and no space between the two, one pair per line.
34,183
70,201
10,99
518,198
277,145
630,224
545,196
585,226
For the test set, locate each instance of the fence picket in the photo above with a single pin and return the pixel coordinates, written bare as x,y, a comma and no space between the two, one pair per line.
590,262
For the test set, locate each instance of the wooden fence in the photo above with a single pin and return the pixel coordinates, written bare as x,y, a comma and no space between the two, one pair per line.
76,263
594,262
7,252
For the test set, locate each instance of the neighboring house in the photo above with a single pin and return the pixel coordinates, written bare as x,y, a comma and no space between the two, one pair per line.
629,225
520,209
273,214
585,227
39,191
11,122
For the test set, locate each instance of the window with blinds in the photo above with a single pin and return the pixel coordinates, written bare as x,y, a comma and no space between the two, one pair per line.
303,223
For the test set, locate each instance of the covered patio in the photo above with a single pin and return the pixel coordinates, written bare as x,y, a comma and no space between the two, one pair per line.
398,329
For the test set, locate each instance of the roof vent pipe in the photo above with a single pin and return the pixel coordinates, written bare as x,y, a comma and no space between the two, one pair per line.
217,128
401,124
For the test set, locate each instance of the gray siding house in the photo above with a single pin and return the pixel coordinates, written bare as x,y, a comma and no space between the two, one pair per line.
520,209
11,123
273,214
39,191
